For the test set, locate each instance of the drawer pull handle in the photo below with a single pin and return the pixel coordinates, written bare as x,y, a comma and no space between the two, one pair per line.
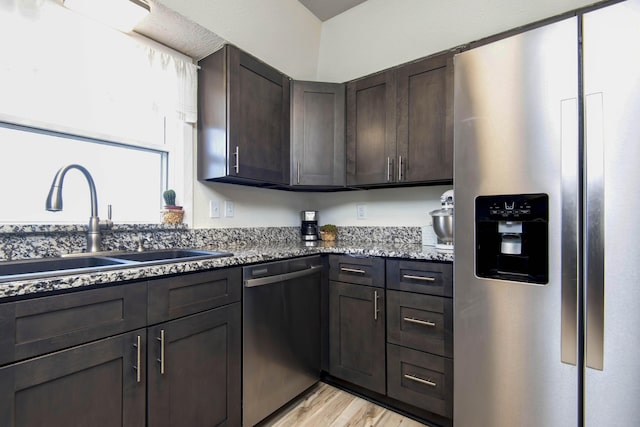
161,360
420,380
138,359
352,270
423,278
419,322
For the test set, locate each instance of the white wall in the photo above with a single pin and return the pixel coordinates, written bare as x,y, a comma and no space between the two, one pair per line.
254,207
379,34
257,207
384,207
282,33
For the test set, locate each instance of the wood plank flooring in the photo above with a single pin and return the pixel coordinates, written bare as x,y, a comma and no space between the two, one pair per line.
327,406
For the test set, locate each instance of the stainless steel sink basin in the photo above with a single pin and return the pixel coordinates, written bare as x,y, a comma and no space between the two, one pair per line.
165,255
88,263
42,267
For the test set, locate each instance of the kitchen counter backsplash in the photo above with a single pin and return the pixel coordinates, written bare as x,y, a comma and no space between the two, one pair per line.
38,241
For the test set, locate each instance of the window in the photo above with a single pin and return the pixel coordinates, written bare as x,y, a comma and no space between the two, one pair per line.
74,91
129,178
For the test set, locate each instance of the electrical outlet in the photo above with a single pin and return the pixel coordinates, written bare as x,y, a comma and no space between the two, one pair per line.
214,209
228,209
361,211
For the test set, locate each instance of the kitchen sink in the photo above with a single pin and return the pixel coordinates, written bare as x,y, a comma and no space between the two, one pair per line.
170,254
89,263
42,267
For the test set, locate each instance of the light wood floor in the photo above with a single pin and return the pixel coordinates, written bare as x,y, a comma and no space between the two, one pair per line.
327,406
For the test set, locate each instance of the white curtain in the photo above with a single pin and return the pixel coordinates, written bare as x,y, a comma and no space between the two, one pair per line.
60,69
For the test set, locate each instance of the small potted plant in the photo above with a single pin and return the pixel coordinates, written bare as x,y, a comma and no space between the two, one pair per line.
171,214
328,232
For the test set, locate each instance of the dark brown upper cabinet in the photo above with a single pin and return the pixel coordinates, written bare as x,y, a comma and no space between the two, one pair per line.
243,123
425,120
317,135
371,129
399,125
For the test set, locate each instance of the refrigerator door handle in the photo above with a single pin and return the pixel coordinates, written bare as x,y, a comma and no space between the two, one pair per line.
569,245
594,231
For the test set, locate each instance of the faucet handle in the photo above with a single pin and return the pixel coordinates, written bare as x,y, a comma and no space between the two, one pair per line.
108,223
140,247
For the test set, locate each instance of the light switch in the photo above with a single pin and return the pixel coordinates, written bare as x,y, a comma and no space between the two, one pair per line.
361,211
228,208
214,209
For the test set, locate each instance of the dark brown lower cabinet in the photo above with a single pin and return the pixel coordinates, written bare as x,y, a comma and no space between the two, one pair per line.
194,370
97,384
357,335
421,379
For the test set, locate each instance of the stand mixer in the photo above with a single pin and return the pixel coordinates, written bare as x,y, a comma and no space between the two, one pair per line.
443,222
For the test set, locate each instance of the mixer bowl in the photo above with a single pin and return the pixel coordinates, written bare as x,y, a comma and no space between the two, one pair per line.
443,224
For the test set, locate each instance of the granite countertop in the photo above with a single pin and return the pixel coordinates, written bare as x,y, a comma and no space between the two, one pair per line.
242,255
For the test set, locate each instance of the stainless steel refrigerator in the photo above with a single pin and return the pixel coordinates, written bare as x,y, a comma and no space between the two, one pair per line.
547,229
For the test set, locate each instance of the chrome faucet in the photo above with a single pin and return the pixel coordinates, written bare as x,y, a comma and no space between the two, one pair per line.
54,204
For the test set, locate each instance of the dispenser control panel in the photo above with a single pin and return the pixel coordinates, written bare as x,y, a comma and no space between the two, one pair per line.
522,207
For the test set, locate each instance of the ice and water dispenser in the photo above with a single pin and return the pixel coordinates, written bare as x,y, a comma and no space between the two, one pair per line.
512,237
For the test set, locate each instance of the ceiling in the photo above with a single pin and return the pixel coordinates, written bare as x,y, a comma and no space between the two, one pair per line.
177,32
174,30
327,9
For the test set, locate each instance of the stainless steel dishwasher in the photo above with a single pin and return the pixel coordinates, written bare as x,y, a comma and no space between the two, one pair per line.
280,334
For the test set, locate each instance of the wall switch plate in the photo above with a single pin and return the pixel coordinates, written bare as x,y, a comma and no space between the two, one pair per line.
214,209
228,209
361,211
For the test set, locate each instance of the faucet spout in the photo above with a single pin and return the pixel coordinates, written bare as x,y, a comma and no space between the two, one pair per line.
54,204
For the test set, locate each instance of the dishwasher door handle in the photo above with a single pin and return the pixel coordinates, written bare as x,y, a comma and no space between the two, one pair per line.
250,283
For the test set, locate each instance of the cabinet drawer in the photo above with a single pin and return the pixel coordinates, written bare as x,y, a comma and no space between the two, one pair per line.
178,296
420,379
422,322
42,325
361,271
421,277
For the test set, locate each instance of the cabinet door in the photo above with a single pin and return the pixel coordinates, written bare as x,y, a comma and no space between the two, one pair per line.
356,335
194,370
95,384
258,133
318,134
425,119
371,130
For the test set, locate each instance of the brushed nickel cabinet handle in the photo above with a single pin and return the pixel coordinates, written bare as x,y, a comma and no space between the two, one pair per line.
352,270
420,380
138,359
423,278
236,155
399,168
419,322
388,169
375,305
161,360
298,173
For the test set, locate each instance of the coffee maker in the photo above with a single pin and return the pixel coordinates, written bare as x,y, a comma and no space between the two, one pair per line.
309,229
